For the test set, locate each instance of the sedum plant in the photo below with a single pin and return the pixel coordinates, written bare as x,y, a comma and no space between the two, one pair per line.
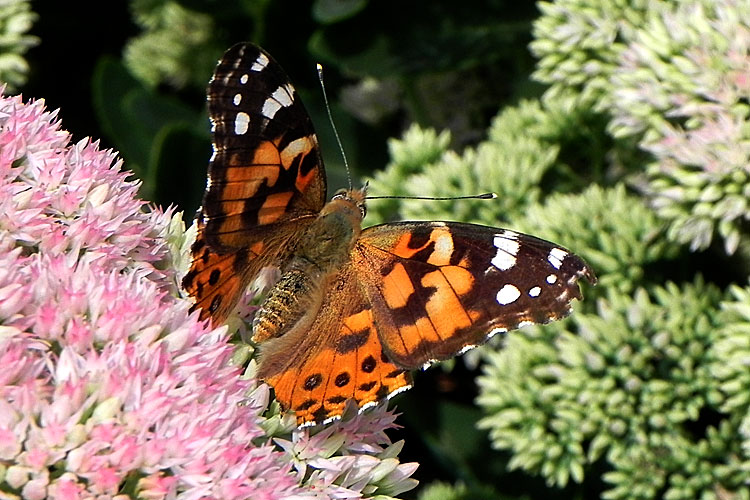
673,77
643,392
579,42
628,386
682,88
176,46
109,388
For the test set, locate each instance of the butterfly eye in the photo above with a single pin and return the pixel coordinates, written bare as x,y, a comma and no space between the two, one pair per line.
340,194
362,209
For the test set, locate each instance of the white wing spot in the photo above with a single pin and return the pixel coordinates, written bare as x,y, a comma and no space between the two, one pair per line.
551,279
444,246
507,248
244,78
237,99
270,107
238,61
284,95
241,123
281,97
535,291
260,63
507,295
556,256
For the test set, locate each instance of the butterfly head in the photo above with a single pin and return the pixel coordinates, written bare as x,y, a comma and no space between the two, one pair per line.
330,238
351,198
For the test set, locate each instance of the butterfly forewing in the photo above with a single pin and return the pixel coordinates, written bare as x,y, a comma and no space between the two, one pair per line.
266,182
439,288
266,167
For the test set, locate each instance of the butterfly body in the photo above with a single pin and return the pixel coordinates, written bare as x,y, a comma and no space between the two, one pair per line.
354,309
321,252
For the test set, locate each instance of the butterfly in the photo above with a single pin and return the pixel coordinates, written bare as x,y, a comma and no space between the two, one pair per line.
354,310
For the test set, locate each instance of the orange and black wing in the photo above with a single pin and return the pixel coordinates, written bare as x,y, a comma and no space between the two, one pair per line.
266,180
413,293
437,289
315,370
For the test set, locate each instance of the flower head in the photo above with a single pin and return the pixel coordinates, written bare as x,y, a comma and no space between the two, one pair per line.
106,377
682,87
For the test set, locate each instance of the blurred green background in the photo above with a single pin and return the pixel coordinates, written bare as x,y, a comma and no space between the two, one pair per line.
136,76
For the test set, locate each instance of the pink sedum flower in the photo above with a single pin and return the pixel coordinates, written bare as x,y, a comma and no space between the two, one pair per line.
682,87
108,387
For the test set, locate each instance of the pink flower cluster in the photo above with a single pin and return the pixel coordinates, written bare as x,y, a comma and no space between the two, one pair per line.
682,84
108,388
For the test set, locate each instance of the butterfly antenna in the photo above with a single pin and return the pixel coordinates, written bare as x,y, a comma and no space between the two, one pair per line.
483,196
333,125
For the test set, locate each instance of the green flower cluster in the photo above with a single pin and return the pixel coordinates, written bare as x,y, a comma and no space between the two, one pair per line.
632,386
16,19
176,46
579,42
675,78
645,389
510,163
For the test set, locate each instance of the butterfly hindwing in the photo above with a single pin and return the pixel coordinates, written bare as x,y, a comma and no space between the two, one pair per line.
213,276
438,288
336,357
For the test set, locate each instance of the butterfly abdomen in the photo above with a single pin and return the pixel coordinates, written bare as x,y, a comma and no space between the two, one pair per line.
287,302
295,300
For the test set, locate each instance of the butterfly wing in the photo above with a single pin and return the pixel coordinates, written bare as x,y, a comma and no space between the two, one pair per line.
315,371
437,289
266,168
266,180
413,293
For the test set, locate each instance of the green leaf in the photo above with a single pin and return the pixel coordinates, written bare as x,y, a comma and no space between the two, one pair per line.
333,11
133,117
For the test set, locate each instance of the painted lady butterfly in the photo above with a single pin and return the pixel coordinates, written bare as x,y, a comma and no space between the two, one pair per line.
354,310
